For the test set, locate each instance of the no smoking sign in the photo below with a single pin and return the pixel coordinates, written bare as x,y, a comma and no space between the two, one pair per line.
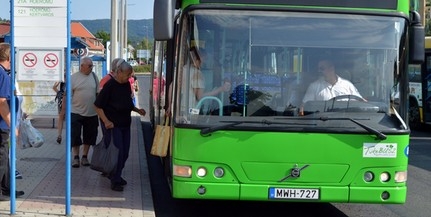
51,60
29,59
40,64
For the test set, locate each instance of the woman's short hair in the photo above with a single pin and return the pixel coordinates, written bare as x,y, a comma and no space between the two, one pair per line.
114,64
4,51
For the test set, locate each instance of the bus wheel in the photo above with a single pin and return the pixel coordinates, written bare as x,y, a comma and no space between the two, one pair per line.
414,119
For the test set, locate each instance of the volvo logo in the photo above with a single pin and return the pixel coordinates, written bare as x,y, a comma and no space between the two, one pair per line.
295,172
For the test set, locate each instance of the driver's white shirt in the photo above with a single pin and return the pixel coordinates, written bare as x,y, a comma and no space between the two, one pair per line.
321,90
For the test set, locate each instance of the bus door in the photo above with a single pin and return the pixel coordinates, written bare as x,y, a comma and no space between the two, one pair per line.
426,90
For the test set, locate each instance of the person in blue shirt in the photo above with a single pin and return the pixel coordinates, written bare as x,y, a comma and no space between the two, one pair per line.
5,119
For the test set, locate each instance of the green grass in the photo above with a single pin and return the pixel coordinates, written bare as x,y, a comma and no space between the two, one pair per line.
142,68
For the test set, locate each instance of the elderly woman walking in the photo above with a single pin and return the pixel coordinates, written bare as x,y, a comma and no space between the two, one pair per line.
114,105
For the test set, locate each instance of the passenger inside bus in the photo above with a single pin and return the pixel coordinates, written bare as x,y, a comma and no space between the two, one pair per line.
329,85
197,81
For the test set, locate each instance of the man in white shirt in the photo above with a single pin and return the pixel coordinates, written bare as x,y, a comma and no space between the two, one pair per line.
329,85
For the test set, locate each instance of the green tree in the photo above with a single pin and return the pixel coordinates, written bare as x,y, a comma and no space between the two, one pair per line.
4,20
104,36
145,44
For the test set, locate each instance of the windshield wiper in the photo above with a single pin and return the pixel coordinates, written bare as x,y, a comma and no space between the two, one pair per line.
208,130
379,134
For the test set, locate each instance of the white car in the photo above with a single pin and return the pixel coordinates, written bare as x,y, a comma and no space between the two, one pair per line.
133,62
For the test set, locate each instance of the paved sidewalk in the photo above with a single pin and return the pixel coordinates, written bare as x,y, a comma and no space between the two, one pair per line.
44,182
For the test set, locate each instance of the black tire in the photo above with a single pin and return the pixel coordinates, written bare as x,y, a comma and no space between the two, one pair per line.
167,169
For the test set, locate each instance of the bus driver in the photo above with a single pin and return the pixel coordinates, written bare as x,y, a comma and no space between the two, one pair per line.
328,86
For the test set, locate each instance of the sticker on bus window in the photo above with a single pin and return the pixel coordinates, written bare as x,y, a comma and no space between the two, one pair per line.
194,111
406,151
379,150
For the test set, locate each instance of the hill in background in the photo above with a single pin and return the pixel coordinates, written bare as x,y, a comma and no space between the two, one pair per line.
137,30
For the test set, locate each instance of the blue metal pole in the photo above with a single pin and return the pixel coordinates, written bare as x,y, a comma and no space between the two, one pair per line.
13,115
68,109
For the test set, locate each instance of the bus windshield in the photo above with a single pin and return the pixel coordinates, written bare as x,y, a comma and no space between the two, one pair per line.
249,65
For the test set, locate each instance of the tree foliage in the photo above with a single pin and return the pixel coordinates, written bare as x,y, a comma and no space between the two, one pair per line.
103,35
4,20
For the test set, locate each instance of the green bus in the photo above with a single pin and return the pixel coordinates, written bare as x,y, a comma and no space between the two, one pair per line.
420,91
234,75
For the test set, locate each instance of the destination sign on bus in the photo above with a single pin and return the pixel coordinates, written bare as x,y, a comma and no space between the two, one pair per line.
389,4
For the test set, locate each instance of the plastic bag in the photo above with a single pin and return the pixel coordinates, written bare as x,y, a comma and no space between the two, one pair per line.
23,137
105,154
30,136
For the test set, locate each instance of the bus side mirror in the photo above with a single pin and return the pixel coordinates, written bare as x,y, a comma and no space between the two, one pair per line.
416,39
163,19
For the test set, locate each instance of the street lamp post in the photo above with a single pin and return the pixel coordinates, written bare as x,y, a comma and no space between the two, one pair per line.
146,43
124,48
114,30
137,53
123,29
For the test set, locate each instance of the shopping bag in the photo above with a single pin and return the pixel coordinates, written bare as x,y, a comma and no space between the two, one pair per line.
23,137
105,154
161,139
30,136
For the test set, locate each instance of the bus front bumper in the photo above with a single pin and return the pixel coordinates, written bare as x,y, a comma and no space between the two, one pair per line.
329,194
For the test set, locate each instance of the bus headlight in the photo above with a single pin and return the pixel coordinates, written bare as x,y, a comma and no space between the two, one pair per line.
401,176
218,172
368,176
384,177
182,171
201,172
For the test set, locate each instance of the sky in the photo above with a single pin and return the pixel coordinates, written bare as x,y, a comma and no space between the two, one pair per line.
96,9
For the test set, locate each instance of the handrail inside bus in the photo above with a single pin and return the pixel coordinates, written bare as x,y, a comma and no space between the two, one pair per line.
220,104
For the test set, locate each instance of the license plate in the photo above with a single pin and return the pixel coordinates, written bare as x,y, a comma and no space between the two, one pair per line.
294,193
